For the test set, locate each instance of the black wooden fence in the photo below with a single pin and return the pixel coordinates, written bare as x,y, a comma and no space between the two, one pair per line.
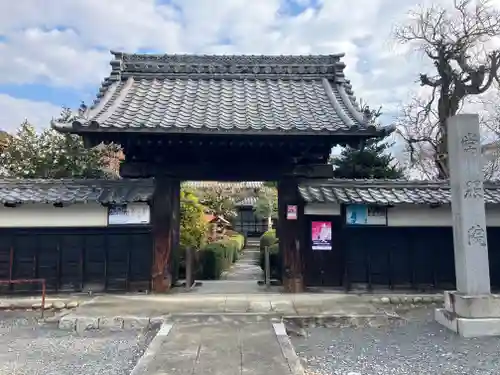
77,259
418,258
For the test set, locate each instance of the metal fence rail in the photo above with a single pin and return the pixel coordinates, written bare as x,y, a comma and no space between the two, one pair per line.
12,281
29,281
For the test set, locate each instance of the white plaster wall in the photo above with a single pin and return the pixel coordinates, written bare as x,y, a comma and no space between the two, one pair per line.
322,209
46,215
424,216
411,215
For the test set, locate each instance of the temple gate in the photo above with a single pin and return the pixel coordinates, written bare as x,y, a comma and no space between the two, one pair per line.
227,118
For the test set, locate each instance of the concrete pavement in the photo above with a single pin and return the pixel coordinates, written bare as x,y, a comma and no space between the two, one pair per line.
222,348
132,311
283,304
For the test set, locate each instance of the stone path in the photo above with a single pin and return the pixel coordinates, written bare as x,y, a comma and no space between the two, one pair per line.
241,278
222,348
247,267
234,287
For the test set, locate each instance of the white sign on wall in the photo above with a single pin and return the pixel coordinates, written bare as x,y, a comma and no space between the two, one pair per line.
136,213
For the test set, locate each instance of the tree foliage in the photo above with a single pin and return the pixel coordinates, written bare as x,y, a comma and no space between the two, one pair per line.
455,40
266,206
371,159
4,139
193,228
220,199
49,154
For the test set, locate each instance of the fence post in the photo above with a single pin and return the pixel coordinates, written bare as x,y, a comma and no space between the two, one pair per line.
189,268
267,267
44,291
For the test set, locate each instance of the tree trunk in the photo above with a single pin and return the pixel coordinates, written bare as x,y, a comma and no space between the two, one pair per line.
448,106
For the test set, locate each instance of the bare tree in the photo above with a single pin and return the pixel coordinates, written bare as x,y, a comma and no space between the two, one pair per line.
453,39
372,115
419,127
490,123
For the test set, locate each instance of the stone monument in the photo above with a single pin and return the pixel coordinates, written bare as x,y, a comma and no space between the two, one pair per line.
471,310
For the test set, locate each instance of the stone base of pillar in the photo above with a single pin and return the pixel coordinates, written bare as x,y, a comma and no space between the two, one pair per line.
470,316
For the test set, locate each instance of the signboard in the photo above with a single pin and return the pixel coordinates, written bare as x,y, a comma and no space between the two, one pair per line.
321,235
362,214
137,213
291,212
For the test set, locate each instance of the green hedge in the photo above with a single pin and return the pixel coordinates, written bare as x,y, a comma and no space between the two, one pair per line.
267,239
239,239
274,260
218,256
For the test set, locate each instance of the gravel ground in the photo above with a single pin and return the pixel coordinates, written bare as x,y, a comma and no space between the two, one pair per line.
28,348
417,346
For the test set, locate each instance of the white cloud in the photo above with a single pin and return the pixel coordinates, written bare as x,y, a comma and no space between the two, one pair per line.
66,43
70,57
54,57
14,111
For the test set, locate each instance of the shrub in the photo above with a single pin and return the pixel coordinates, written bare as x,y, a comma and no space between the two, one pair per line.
274,261
218,256
239,238
193,228
267,239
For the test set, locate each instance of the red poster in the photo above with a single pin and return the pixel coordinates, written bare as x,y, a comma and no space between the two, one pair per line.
321,235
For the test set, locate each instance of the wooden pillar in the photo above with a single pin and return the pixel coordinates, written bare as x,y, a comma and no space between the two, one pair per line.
176,238
165,221
290,234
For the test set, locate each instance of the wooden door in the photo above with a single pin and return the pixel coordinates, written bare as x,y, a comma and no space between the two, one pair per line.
323,267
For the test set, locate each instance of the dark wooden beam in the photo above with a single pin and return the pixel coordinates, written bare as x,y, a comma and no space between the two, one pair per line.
165,228
230,170
314,171
290,233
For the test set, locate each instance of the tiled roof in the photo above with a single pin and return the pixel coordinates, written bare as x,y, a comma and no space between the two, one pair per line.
247,202
74,191
224,94
386,192
224,185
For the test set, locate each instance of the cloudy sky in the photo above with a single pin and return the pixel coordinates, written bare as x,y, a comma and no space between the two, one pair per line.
56,52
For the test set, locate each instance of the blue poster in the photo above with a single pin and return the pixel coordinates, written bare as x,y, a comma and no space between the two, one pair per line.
357,214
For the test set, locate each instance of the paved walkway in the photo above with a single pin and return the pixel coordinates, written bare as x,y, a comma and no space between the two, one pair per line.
241,278
219,348
247,267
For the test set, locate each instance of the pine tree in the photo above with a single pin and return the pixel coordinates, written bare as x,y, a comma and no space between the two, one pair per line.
371,161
